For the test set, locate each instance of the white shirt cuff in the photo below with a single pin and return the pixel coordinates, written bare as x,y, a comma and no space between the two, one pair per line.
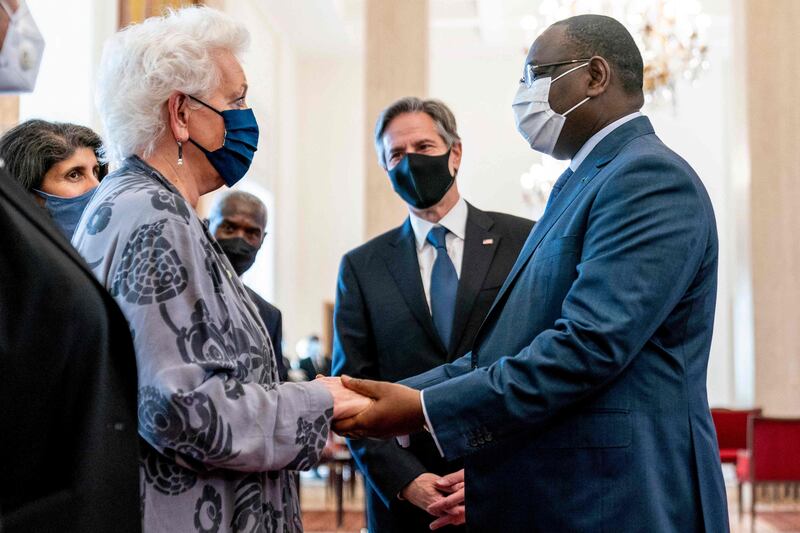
428,424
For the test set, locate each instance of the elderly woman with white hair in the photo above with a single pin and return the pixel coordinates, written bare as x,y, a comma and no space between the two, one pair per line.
223,435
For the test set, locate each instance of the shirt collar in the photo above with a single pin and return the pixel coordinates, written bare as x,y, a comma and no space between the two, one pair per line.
455,221
595,139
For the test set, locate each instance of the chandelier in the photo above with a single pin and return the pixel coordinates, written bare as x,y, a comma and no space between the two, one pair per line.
537,183
670,34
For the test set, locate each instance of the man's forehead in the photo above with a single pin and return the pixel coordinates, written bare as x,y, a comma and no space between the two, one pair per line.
417,125
243,213
549,47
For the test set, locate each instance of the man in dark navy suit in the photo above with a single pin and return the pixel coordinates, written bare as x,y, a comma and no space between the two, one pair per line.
414,297
238,220
583,404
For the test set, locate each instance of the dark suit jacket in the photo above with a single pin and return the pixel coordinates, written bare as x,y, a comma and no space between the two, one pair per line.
68,444
583,404
384,330
273,319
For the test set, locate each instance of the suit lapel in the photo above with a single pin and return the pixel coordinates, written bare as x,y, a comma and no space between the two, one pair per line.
401,259
477,258
604,152
571,190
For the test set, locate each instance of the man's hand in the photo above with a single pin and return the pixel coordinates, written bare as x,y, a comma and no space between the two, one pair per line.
422,492
450,510
396,410
346,403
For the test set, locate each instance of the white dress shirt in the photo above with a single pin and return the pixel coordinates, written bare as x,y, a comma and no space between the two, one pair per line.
456,223
581,154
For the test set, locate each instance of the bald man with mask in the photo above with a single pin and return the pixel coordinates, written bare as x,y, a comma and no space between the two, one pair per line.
238,220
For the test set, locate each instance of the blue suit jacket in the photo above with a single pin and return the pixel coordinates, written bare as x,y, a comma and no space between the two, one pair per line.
583,404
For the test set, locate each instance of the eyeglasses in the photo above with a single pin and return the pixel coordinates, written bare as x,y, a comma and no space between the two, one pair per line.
529,76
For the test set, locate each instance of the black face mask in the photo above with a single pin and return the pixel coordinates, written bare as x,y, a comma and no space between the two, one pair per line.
422,180
240,253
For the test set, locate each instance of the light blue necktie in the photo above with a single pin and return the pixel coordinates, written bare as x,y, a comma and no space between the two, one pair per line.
560,182
444,286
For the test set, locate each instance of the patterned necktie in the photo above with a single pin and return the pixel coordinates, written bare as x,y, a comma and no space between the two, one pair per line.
444,285
560,182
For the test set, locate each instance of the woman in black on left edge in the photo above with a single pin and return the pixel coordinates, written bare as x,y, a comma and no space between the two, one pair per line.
68,442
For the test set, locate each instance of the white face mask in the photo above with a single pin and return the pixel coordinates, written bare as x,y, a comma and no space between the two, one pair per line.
536,121
21,52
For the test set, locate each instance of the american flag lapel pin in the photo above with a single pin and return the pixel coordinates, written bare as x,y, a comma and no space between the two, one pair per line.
487,242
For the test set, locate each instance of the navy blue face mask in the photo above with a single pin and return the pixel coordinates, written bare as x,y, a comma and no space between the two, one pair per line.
66,212
233,158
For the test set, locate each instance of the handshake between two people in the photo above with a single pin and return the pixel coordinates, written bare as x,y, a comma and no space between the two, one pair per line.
364,408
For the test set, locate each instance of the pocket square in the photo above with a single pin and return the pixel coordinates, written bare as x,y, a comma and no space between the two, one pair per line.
488,241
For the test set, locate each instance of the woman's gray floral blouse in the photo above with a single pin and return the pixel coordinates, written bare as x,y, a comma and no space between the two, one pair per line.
224,436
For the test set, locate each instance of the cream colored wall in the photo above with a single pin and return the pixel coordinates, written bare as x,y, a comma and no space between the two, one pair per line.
773,68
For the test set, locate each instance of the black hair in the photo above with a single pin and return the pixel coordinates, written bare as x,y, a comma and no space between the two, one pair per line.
598,35
436,109
30,149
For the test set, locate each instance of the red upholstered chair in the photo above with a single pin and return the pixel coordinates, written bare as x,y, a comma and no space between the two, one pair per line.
772,456
731,425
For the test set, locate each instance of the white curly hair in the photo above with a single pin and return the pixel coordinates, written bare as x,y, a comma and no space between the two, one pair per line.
144,63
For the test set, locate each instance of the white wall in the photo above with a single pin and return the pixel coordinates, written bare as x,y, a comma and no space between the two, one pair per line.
479,90
328,213
310,158
74,33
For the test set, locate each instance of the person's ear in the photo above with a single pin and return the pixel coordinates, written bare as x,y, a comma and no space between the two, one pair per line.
600,76
455,158
178,110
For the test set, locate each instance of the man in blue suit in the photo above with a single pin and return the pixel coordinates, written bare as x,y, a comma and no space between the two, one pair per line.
583,404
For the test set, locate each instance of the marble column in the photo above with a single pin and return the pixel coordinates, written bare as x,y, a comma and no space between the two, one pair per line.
396,65
773,113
